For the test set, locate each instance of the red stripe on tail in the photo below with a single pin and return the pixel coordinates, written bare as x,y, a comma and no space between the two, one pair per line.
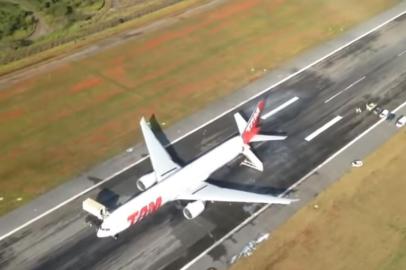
252,127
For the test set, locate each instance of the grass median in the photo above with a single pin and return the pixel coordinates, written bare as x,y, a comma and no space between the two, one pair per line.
360,222
58,124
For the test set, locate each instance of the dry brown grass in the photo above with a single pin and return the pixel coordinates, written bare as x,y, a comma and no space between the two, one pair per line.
361,222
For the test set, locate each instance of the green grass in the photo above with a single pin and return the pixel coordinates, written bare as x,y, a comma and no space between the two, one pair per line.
71,28
60,123
64,12
15,23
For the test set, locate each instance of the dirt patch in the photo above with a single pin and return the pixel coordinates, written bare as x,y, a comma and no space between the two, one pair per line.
86,84
229,11
222,13
10,115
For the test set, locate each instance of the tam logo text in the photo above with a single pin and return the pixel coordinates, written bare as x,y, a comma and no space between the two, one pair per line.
145,211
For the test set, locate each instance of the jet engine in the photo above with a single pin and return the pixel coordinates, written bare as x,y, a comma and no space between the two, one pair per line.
146,181
193,209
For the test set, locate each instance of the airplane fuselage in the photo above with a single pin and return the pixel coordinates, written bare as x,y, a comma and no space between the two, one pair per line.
186,180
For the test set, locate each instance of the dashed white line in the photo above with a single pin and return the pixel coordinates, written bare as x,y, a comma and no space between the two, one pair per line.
345,89
402,53
323,128
280,107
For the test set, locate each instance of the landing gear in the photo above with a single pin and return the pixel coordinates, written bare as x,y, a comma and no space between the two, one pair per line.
180,204
115,236
92,222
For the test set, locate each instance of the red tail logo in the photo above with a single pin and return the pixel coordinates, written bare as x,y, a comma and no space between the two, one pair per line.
252,127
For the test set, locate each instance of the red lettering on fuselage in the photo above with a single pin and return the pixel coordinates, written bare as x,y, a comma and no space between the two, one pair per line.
153,207
133,217
145,211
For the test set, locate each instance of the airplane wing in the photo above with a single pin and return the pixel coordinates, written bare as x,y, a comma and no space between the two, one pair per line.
161,161
210,192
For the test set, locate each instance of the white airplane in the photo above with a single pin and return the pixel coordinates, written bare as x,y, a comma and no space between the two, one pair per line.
169,181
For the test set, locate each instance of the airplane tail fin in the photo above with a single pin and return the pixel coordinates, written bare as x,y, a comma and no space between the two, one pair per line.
250,130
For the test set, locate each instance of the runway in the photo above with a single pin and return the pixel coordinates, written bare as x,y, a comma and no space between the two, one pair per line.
166,240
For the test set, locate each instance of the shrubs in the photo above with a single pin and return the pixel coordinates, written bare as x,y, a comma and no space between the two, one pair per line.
15,22
70,20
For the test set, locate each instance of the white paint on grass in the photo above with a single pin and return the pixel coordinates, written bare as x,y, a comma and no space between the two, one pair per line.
323,128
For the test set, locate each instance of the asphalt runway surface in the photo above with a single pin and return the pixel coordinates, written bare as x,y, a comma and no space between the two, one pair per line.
372,69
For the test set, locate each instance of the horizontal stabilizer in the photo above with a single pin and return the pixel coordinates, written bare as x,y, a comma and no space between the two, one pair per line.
241,123
249,131
254,161
210,192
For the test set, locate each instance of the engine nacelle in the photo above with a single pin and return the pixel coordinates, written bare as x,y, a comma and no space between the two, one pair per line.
193,209
146,181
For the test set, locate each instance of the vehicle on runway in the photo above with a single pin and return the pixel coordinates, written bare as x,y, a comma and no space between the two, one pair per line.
384,114
170,182
401,121
377,110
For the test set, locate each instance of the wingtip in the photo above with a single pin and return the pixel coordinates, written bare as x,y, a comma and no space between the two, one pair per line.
293,200
287,201
142,120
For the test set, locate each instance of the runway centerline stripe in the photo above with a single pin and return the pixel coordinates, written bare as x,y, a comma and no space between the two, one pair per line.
280,108
345,89
204,124
323,128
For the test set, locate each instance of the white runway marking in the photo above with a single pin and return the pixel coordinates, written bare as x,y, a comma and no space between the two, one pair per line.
280,107
29,222
323,128
345,89
402,53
